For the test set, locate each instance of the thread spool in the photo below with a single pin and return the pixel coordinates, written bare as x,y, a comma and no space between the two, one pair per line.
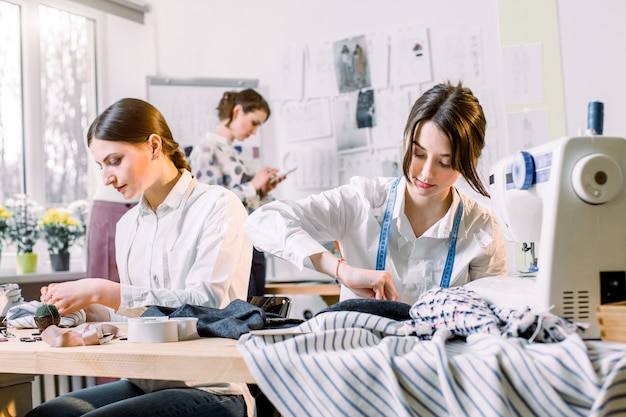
595,117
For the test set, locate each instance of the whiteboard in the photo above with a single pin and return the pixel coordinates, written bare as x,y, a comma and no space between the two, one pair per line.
190,105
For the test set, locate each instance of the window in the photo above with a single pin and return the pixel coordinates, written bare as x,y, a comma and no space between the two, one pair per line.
68,101
11,132
47,100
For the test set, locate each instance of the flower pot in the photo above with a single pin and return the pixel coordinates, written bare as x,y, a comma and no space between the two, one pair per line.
25,263
60,261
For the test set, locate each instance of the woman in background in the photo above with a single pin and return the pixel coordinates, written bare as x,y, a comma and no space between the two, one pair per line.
183,243
399,236
216,161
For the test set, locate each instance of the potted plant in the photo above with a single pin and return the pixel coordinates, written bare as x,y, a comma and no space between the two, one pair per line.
60,232
4,226
24,231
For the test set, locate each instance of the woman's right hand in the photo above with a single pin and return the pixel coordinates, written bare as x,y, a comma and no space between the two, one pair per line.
367,283
264,180
71,296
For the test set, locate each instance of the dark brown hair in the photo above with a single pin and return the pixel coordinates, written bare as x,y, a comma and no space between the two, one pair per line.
457,113
132,120
249,100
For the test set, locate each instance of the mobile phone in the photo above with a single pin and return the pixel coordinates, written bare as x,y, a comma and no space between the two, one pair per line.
283,173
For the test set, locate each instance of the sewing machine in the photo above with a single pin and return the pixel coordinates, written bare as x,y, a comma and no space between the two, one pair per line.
568,198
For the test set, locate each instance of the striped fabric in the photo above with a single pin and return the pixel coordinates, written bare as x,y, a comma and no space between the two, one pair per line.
22,316
359,364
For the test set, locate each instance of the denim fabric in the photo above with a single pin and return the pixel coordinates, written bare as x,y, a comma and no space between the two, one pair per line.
237,318
123,398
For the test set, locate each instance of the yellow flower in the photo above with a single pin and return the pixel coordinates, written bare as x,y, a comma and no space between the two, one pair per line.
60,230
4,213
4,225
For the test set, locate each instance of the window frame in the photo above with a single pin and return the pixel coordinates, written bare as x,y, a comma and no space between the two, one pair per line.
33,144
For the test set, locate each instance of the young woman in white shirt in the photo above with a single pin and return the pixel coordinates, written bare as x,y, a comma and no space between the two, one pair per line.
399,237
183,243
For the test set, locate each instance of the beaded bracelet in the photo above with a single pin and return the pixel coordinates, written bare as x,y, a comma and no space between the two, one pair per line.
339,261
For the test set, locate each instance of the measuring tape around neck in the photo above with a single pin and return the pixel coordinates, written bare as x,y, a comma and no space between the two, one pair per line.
384,236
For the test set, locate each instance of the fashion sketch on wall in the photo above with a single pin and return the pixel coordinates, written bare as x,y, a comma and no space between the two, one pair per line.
365,109
351,64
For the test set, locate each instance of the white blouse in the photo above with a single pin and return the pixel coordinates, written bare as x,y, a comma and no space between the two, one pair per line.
191,250
352,215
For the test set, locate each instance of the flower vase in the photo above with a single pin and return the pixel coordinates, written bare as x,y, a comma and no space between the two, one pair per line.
25,263
60,261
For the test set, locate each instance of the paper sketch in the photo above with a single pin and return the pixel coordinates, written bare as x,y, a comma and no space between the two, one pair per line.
319,71
527,129
392,109
351,64
287,73
378,54
410,57
366,109
346,132
317,168
306,120
464,56
523,73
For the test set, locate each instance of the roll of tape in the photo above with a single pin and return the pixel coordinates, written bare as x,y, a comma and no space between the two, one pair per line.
187,329
152,330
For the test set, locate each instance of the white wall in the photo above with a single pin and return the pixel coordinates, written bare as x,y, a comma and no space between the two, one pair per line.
236,39
593,35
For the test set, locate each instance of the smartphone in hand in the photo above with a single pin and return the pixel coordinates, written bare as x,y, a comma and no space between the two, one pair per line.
283,173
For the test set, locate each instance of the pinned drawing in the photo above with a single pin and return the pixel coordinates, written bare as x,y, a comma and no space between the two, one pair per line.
346,132
410,57
365,109
351,64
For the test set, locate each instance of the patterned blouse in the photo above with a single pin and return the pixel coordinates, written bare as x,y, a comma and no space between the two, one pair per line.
216,161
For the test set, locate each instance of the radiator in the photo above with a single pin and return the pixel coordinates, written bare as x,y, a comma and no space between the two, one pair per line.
47,387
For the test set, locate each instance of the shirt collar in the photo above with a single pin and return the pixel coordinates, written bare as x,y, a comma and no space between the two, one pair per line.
219,139
175,196
441,229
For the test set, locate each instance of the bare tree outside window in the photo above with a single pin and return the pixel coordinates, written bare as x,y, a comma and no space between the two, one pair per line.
11,120
68,80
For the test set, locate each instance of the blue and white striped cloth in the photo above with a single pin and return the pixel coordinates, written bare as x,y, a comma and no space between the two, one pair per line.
22,316
359,364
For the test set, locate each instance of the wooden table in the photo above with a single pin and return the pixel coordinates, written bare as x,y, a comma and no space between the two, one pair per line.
328,291
210,359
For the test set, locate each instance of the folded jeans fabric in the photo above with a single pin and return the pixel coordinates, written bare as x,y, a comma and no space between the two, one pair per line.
237,318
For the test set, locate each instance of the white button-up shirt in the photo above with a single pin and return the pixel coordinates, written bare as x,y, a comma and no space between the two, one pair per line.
352,215
192,250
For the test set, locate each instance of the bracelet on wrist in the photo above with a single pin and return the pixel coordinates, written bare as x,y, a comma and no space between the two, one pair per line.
339,261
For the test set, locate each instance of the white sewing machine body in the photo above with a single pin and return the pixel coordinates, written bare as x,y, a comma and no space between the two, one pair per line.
568,197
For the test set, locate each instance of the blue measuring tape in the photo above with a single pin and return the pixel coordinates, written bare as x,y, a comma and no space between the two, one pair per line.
384,228
383,240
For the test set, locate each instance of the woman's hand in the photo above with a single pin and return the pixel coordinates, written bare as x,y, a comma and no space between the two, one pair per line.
265,181
71,296
367,283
